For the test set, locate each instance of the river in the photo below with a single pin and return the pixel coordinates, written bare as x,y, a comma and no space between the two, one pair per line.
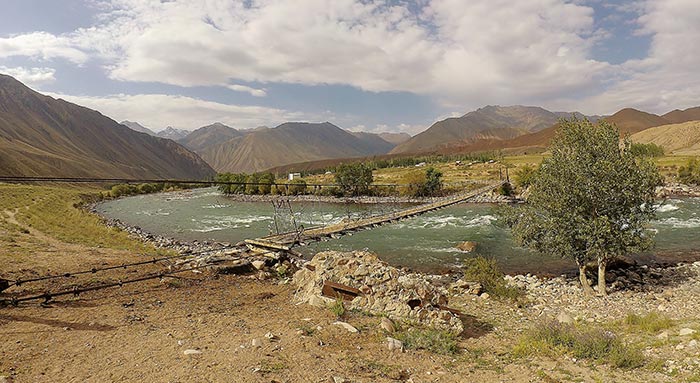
424,243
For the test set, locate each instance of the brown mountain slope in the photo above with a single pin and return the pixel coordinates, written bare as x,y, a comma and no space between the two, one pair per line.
677,116
42,136
209,135
374,142
631,121
137,127
395,138
682,139
628,120
487,123
288,143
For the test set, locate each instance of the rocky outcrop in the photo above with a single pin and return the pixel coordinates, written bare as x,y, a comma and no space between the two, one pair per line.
467,246
378,289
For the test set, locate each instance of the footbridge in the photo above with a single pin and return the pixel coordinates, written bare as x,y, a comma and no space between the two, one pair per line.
286,241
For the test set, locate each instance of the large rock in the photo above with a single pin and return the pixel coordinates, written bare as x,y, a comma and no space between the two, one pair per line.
380,289
467,246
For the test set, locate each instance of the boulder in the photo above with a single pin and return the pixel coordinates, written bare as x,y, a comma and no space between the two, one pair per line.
370,285
686,332
467,246
387,325
394,344
346,326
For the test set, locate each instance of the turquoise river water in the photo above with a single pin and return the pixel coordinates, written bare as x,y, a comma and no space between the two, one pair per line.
423,243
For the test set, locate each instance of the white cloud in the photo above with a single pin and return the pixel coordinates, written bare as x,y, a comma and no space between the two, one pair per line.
666,79
252,91
160,110
32,77
461,52
43,46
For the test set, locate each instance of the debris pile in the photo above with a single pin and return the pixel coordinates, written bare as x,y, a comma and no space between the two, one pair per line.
366,283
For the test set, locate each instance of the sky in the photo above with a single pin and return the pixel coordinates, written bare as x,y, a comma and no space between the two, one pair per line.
371,65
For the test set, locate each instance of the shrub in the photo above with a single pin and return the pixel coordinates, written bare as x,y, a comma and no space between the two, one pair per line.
649,323
488,274
690,173
552,338
437,341
506,189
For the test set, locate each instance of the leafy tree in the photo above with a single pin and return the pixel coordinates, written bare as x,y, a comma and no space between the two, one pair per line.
423,184
296,187
646,150
354,179
690,173
231,183
525,175
590,201
251,186
265,182
433,181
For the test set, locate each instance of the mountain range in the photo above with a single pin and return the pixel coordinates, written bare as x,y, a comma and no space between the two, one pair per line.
43,136
40,135
292,142
137,127
487,123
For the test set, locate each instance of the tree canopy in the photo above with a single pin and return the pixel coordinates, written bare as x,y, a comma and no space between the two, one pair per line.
590,201
354,179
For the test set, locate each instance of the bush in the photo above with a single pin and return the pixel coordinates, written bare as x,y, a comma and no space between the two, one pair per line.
690,173
553,338
488,274
506,189
437,341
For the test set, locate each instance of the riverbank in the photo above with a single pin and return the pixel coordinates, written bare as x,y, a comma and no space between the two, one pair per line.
678,190
494,198
207,327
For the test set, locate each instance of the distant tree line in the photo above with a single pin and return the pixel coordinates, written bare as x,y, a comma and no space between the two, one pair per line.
399,162
646,150
351,180
123,190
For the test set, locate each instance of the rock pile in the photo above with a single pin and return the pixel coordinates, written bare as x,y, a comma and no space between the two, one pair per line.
379,289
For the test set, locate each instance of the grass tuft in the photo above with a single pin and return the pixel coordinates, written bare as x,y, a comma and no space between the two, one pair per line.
437,341
649,323
337,307
553,339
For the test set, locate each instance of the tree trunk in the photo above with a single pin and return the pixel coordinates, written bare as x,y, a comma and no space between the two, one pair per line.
601,277
587,290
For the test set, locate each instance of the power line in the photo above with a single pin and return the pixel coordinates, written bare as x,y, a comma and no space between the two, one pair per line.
47,296
94,270
20,179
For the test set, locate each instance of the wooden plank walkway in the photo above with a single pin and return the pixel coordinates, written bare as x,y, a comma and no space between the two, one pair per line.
287,240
